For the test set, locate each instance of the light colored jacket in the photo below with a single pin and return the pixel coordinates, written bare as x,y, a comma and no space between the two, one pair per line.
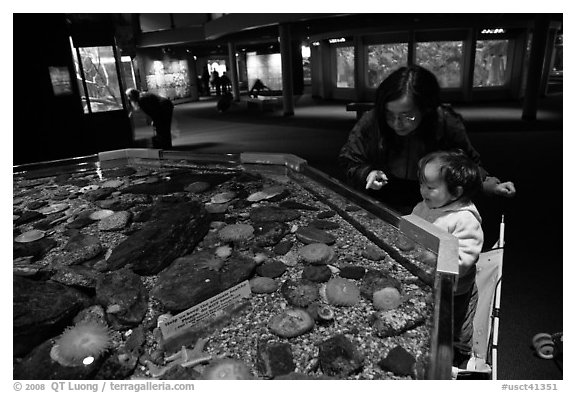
464,222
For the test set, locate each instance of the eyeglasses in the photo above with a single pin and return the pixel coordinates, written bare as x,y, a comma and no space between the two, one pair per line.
403,118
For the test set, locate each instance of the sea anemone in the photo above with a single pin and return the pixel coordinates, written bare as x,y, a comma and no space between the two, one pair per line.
342,292
386,298
228,369
317,253
236,232
84,340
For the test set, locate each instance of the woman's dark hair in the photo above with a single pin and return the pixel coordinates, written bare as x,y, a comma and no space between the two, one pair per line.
416,82
457,170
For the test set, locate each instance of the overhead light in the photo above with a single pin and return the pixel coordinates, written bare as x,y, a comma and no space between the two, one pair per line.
493,31
316,43
336,40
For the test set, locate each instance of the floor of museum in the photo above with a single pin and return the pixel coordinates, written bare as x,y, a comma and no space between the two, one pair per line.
528,153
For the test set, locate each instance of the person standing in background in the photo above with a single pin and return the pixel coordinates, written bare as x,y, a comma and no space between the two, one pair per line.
159,109
215,80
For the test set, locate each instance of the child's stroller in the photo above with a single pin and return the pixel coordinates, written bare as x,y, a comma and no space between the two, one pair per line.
484,361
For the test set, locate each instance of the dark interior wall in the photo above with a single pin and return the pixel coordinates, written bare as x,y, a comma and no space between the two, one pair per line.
43,123
49,126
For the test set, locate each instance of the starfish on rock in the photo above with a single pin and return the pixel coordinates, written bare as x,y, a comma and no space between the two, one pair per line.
184,358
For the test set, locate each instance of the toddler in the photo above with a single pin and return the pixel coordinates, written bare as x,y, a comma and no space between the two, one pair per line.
448,181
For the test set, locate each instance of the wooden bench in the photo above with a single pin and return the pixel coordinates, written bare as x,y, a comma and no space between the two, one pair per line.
359,108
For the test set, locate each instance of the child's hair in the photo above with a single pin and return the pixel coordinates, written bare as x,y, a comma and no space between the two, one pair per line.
457,170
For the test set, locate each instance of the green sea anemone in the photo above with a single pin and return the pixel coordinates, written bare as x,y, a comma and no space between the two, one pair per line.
81,344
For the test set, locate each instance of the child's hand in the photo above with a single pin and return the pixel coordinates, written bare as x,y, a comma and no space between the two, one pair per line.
375,180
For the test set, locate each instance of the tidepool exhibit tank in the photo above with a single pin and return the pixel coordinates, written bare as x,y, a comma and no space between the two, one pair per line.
144,263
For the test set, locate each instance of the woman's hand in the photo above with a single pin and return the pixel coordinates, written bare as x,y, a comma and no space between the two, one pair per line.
375,180
505,189
492,185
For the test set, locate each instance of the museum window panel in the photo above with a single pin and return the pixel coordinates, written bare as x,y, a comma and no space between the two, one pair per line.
345,67
443,59
97,77
382,60
491,63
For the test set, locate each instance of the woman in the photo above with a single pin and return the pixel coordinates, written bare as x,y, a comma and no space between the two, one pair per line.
408,121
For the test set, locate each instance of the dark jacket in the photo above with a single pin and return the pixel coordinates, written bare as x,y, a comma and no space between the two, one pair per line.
157,107
369,149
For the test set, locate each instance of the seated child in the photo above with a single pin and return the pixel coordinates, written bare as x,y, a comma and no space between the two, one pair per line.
448,181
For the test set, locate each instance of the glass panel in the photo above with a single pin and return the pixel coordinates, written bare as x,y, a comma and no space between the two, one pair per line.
345,67
383,59
444,59
490,63
101,78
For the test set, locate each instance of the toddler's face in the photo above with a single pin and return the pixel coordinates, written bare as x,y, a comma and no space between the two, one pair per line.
433,187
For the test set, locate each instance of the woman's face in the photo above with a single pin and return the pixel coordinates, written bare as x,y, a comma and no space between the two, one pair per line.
403,116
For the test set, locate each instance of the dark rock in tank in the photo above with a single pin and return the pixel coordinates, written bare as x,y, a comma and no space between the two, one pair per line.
269,233
324,224
28,216
77,276
274,358
272,269
316,273
37,249
172,231
124,290
190,280
398,361
283,247
353,272
310,235
100,193
338,356
41,310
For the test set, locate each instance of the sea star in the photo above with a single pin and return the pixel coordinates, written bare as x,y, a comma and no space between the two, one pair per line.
184,358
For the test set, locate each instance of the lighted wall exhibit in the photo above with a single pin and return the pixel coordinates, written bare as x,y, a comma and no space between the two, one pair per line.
169,78
267,68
